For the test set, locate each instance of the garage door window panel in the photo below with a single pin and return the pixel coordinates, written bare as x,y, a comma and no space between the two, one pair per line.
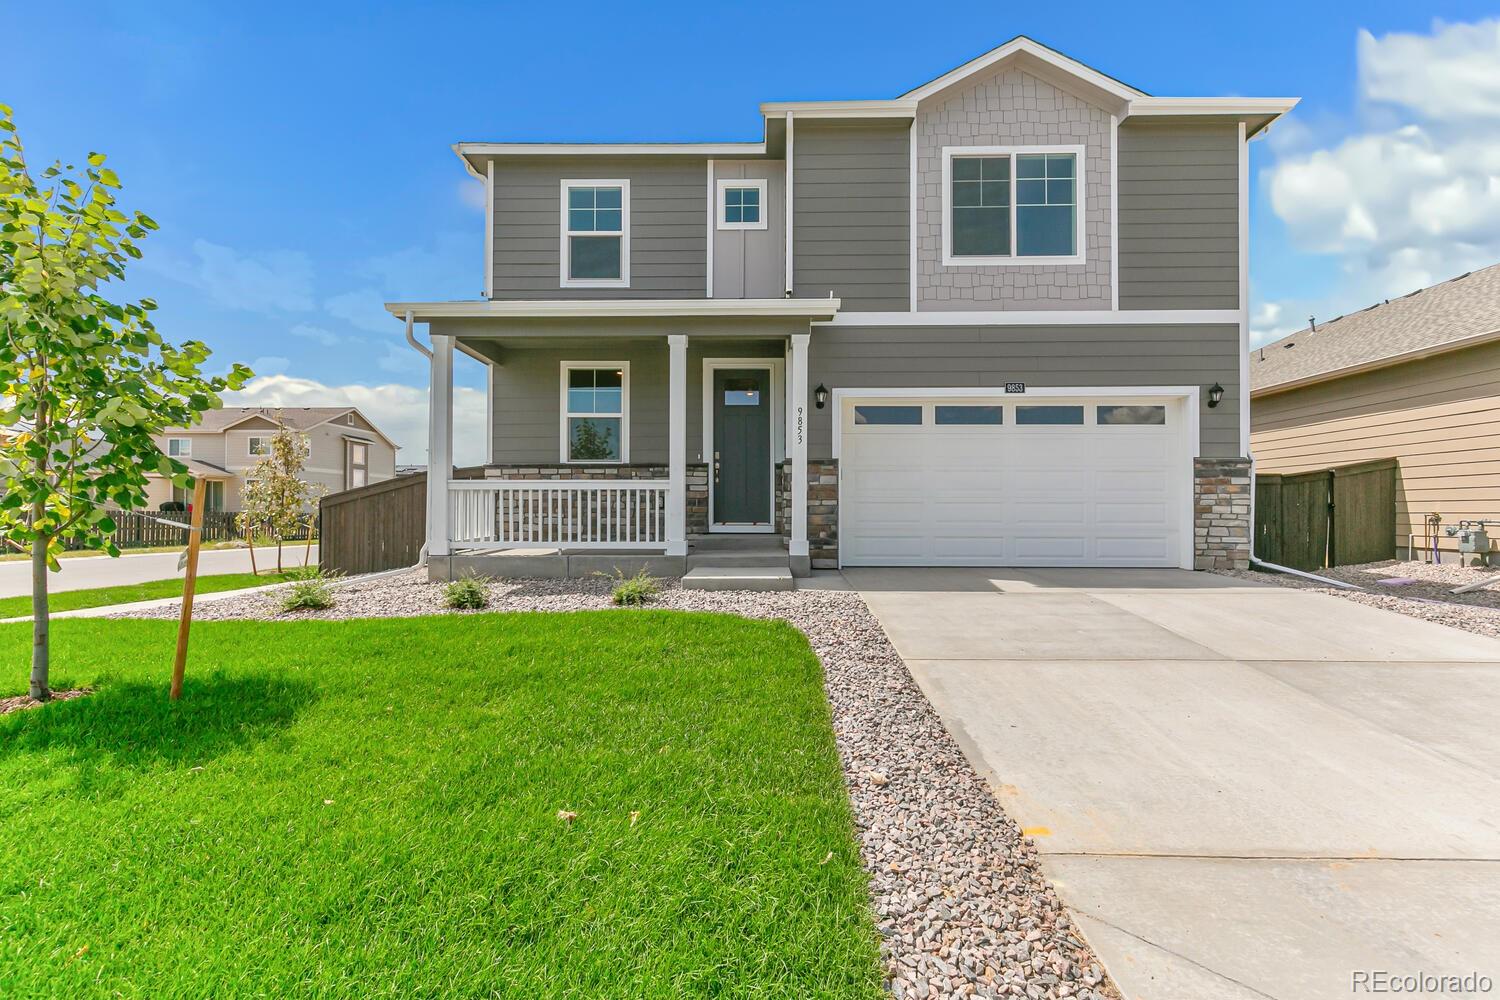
968,416
1131,416
1049,416
891,416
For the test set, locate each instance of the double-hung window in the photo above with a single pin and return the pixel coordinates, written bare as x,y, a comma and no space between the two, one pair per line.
595,411
1020,205
359,466
595,233
742,203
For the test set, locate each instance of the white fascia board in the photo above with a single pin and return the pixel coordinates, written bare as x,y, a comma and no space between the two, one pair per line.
899,108
1050,317
717,149
646,308
1018,46
1212,105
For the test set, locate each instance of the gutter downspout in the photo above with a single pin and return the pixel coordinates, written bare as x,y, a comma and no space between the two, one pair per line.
426,353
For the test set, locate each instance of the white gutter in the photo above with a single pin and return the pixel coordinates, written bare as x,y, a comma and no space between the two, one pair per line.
426,353
813,309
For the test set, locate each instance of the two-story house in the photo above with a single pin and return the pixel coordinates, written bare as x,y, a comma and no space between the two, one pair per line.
344,451
998,320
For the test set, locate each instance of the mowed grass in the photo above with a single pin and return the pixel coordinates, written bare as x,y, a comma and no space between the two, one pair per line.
370,808
98,597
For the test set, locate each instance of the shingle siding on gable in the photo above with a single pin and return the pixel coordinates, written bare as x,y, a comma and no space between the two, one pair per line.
1012,108
668,235
1179,216
851,214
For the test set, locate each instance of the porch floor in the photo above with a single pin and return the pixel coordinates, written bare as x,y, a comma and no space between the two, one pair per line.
725,555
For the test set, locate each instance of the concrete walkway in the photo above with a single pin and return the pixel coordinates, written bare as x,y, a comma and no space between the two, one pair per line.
1242,790
85,572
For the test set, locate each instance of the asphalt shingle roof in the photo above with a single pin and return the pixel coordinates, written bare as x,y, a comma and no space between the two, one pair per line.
298,418
1454,310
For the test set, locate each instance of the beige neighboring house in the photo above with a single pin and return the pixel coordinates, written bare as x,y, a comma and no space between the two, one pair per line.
345,450
1416,379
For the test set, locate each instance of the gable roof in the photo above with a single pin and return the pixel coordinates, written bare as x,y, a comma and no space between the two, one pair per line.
1026,50
1457,313
298,418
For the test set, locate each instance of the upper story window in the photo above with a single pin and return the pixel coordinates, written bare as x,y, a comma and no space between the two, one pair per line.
358,473
595,233
742,204
595,411
259,446
1012,205
180,447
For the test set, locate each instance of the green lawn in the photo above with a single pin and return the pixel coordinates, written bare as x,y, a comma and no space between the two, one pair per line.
98,597
369,808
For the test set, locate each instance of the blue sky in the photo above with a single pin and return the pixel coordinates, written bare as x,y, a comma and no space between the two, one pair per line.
297,156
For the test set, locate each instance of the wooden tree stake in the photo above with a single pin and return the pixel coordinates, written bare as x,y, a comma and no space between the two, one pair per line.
189,582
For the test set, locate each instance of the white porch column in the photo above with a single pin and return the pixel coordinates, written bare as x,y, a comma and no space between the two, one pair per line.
439,445
677,444
796,394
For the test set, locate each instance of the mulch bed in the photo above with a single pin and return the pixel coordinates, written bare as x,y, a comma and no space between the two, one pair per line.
22,702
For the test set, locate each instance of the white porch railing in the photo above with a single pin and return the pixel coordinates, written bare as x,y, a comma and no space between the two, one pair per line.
592,514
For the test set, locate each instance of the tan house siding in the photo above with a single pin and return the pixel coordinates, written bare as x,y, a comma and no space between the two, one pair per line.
1438,417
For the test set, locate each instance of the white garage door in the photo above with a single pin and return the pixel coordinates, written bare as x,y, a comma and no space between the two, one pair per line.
1021,481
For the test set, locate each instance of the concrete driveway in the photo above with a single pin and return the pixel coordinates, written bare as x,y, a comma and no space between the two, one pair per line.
1242,790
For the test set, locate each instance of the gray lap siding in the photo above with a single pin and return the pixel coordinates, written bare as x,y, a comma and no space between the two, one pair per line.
989,356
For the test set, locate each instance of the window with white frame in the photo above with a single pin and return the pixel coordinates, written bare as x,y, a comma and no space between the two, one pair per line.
595,233
595,411
259,447
359,465
1019,205
742,203
180,447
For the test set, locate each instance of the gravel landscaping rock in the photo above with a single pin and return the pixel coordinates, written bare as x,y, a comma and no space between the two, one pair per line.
957,891
1427,597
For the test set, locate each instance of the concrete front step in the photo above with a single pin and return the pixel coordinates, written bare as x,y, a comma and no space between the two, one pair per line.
735,542
746,557
738,578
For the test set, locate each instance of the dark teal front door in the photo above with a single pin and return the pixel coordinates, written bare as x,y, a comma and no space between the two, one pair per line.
742,446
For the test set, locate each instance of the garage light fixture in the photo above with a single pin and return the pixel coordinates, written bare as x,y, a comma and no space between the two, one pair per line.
1215,395
820,395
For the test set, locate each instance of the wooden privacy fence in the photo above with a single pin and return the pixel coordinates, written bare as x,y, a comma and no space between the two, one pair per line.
376,527
138,529
1330,517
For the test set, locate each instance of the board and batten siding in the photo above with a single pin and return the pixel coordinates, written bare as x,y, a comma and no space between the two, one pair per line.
1178,215
1438,417
751,263
668,238
851,219
989,356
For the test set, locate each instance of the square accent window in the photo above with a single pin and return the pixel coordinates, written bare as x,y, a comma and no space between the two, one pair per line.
595,233
595,418
969,415
1119,416
180,447
742,203
888,415
1011,205
259,446
1051,416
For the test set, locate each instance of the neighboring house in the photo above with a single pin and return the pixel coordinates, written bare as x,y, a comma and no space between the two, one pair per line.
345,450
987,322
1416,379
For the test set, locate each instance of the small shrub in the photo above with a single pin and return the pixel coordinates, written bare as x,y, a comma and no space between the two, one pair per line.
634,590
467,593
311,591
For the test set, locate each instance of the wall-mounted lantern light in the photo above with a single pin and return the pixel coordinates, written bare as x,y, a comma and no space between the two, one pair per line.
820,395
1215,395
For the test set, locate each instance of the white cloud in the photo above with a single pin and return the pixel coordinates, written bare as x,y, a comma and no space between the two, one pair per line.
364,308
270,364
471,193
1414,200
400,411
1449,75
260,282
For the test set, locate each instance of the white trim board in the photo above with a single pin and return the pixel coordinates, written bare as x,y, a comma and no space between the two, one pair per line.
1058,317
423,312
777,369
1244,255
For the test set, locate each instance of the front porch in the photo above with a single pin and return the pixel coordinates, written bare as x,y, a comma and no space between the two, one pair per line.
626,442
